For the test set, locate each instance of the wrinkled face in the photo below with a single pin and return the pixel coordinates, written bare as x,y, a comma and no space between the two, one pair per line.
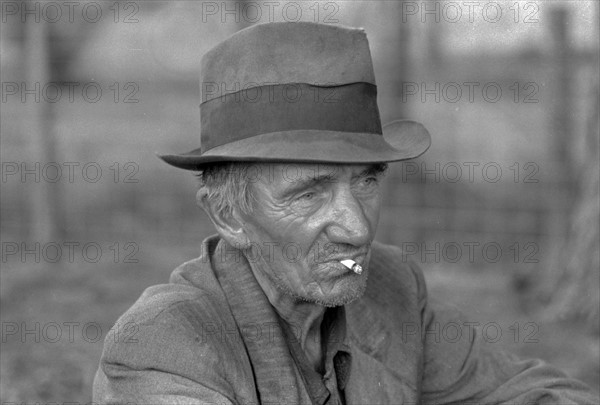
308,217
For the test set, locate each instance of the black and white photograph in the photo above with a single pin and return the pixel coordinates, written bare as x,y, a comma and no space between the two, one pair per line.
352,202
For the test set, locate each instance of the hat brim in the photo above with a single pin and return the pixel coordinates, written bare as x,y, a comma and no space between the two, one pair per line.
401,140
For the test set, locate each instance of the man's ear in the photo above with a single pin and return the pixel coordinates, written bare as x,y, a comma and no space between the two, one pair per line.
228,225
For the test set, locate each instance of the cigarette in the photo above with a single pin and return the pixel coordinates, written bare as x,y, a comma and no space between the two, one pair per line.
352,265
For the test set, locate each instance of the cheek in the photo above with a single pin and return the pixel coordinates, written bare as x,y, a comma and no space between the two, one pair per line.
266,223
283,245
299,231
371,210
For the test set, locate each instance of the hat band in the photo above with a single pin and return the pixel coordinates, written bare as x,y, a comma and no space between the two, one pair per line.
287,107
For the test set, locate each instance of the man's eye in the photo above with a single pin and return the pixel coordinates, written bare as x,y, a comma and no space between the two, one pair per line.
371,181
307,196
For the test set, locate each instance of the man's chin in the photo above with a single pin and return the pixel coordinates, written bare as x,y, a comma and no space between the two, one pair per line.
344,292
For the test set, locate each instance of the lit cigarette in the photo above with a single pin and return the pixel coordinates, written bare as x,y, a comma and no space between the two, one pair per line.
352,265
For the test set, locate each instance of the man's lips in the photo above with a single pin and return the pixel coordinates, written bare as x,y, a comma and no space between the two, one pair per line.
358,257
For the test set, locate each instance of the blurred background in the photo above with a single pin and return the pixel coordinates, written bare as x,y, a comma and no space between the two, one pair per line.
501,213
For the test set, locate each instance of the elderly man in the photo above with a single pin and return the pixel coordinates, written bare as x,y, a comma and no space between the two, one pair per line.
293,302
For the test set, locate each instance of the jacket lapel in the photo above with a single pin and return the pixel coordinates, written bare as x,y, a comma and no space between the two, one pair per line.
275,372
372,380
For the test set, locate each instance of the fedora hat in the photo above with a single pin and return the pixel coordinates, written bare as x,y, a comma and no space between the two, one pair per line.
295,92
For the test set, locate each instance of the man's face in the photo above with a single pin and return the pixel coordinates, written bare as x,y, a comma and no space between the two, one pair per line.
308,217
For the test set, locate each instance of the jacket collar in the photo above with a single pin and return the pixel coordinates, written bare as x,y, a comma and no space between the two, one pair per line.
275,372
274,369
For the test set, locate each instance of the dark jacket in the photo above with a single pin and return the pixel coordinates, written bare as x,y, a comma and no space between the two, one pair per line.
211,336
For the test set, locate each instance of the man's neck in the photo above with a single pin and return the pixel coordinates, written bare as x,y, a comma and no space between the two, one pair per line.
304,318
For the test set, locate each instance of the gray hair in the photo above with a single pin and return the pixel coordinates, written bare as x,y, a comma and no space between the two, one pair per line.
226,185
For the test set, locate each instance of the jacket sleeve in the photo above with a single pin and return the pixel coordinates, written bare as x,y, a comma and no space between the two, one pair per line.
168,361
461,367
119,384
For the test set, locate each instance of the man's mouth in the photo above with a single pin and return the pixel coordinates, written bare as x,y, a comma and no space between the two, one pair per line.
336,267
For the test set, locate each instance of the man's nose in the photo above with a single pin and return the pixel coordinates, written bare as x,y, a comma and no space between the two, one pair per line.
348,223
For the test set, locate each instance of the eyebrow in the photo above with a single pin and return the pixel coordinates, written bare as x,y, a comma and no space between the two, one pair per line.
373,170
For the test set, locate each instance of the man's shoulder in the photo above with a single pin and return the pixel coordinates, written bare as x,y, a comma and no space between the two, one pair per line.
193,284
159,300
168,316
183,330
